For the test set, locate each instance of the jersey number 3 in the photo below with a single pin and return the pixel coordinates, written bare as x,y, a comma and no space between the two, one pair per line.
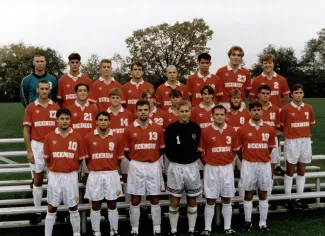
153,136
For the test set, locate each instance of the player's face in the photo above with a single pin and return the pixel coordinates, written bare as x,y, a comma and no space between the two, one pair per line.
115,100
63,121
264,95
43,90
102,122
206,96
137,72
150,99
298,95
204,65
106,69
219,116
184,113
74,65
143,112
39,63
256,113
175,101
236,57
235,102
268,66
82,93
171,75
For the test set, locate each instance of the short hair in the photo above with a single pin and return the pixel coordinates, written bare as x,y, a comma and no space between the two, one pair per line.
171,67
137,63
38,54
43,82
79,85
236,48
175,93
209,88
184,103
63,111
74,56
115,92
268,57
103,113
255,104
296,87
219,107
148,91
205,56
265,87
142,102
105,61
235,93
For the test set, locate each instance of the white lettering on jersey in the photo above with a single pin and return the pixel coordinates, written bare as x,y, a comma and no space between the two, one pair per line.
82,126
145,146
71,96
44,123
103,99
221,149
63,155
233,85
299,124
258,145
102,155
132,101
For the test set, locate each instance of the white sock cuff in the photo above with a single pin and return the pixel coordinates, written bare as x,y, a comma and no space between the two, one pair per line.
263,203
192,209
109,210
226,205
94,211
288,177
299,177
210,206
155,206
51,214
37,187
248,202
131,206
74,213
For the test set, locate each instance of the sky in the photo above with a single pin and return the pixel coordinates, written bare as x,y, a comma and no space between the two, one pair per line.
101,26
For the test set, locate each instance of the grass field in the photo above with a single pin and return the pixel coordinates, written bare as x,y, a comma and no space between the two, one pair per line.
295,223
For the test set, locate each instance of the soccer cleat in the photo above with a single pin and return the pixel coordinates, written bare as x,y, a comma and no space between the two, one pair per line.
133,233
247,227
289,204
300,205
77,234
114,233
278,171
35,219
157,234
264,229
193,233
229,231
206,232
172,234
96,233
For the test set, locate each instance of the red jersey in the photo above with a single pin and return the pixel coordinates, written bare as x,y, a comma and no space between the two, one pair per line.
66,85
144,144
271,116
133,92
42,120
278,84
103,153
230,80
238,119
197,81
99,93
64,154
157,116
83,119
121,120
162,95
202,116
169,118
218,145
256,141
297,121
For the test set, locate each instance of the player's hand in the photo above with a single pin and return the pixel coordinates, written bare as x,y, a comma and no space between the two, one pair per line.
30,157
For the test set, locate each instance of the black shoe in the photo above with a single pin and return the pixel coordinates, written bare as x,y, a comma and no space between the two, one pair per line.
172,234
289,204
206,232
35,219
32,184
278,171
229,231
300,205
133,233
248,226
264,229
115,233
193,233
157,234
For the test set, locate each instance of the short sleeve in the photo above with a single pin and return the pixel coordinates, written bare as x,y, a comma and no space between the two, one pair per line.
248,82
201,147
47,147
283,116
120,148
284,87
28,116
123,100
185,93
81,149
277,118
272,139
240,137
312,117
189,85
60,89
93,95
218,87
161,139
158,95
87,149
126,140
254,89
235,143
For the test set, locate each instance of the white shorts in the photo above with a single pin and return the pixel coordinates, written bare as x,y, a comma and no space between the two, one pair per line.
275,154
63,187
144,178
103,185
124,166
166,163
84,168
227,105
297,150
219,181
255,175
236,163
184,177
38,152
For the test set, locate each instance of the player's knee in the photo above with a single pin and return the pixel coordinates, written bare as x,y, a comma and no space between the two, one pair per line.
75,208
154,200
262,195
225,200
96,205
111,205
51,209
135,200
38,179
191,201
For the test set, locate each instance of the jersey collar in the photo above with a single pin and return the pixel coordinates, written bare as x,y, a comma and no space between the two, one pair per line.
110,111
270,105
295,106
239,110
136,84
201,76
58,132
38,104
254,125
264,75
110,133
217,128
78,105
168,85
202,106
72,77
229,68
136,124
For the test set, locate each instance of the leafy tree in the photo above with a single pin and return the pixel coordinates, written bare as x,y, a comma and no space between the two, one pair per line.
91,67
121,72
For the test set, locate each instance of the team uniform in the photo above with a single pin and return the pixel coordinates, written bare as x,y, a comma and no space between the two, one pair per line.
99,93
66,85
197,81
230,80
202,116
42,121
133,91
278,84
170,118
162,95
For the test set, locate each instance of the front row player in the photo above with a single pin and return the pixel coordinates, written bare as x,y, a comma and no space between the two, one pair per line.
182,139
143,141
256,139
218,145
104,149
63,153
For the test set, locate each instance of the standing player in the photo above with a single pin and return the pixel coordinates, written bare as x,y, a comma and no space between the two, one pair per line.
296,119
39,120
143,141
162,95
172,114
218,145
196,82
182,140
63,152
234,76
104,149
256,139
100,88
133,90
68,82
